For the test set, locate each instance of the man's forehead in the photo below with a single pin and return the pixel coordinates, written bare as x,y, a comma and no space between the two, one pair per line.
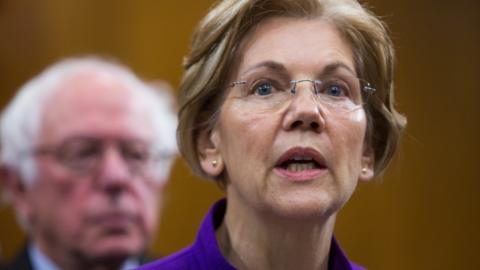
93,103
85,82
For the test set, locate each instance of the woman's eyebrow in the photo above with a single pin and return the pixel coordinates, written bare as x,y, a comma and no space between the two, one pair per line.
270,65
280,68
331,68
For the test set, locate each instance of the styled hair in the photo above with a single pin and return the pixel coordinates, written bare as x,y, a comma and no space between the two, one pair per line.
20,122
215,50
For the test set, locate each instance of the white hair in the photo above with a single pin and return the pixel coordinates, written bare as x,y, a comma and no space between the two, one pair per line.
20,121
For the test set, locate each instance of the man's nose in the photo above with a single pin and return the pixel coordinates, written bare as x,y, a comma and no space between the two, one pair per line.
113,171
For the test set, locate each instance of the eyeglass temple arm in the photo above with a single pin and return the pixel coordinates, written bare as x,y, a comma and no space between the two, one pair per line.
369,89
237,83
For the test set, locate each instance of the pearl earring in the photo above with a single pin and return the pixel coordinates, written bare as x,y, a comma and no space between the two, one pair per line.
364,170
214,163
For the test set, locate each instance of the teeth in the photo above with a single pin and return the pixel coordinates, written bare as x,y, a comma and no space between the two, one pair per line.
297,167
301,158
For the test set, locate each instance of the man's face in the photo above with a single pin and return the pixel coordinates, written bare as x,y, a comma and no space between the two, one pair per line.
109,211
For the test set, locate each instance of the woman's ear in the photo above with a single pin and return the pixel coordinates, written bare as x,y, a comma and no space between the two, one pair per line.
367,165
208,148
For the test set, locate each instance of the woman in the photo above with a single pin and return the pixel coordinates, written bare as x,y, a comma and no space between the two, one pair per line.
288,105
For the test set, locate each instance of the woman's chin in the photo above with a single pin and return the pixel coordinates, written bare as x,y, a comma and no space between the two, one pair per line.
305,207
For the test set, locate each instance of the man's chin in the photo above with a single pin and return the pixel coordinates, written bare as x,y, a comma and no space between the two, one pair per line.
115,249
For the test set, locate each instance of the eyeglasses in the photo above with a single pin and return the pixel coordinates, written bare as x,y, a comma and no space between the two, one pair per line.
339,93
83,155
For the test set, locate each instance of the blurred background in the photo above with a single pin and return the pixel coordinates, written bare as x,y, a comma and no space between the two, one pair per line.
423,214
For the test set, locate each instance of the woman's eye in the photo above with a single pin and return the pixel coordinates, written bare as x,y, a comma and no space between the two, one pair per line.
335,90
263,89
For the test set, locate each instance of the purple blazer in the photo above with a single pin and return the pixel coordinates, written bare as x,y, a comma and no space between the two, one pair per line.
204,253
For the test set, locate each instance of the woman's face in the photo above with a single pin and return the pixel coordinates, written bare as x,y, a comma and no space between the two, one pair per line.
293,155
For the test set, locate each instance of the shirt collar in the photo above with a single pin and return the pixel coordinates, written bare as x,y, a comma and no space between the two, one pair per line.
41,261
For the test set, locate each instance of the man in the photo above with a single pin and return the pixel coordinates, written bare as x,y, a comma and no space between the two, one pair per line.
86,149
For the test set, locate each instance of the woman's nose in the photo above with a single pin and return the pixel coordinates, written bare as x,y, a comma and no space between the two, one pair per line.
304,112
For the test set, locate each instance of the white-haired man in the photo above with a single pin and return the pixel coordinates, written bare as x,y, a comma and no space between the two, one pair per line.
86,148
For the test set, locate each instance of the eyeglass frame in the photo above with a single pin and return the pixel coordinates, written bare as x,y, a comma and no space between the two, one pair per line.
366,87
58,153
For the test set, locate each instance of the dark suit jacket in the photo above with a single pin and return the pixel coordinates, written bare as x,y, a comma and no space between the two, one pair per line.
21,262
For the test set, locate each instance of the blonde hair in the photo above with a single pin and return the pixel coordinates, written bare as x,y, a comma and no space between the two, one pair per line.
215,48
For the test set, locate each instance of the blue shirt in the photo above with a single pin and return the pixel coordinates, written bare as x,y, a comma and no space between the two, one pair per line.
204,253
42,262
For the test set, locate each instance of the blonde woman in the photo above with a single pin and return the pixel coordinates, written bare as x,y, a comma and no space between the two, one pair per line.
288,105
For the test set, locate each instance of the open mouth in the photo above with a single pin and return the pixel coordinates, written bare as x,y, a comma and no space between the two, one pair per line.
301,163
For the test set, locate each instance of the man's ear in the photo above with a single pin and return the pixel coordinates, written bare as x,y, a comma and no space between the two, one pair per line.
15,191
10,181
367,164
208,148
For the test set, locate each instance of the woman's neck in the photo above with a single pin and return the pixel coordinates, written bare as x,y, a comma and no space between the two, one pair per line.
252,240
